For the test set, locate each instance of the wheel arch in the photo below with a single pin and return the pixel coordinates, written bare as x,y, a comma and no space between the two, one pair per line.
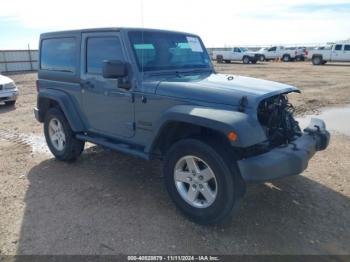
53,98
186,121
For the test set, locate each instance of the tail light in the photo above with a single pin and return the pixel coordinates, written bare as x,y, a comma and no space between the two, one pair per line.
37,85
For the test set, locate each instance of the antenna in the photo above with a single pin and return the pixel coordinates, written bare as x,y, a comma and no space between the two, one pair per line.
142,24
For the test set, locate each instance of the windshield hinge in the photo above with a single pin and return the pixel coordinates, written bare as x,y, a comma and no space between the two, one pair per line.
243,104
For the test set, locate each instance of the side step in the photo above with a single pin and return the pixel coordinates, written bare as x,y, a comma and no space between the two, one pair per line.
120,147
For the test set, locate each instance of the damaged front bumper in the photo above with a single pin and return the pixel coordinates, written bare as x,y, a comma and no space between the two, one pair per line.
287,160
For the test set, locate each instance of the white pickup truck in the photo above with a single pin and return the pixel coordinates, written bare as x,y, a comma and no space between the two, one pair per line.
279,52
271,53
236,54
332,53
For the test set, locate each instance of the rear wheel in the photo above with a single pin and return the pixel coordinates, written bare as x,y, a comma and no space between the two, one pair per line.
317,60
262,58
200,182
10,103
60,137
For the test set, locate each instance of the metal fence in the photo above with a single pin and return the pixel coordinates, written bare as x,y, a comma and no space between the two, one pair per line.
18,60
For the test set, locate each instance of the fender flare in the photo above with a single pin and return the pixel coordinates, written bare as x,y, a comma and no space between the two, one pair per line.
66,105
248,129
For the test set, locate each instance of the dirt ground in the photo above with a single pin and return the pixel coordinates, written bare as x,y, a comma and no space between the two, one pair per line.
110,203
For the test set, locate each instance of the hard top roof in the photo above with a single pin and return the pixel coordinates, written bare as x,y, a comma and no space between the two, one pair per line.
107,29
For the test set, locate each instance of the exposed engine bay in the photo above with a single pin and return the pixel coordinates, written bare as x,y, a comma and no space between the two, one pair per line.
275,114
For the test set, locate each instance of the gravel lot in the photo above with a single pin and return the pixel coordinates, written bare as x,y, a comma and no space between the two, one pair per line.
109,203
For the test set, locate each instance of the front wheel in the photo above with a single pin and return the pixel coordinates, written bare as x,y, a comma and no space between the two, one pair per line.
60,138
246,60
200,182
286,58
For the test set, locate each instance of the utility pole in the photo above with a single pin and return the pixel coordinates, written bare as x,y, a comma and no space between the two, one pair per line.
30,58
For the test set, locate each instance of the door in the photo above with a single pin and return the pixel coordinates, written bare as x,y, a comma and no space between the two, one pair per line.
337,53
271,53
237,54
108,109
346,53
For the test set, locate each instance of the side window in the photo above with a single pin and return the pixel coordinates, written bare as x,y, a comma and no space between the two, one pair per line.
338,47
347,48
99,49
236,50
58,54
272,49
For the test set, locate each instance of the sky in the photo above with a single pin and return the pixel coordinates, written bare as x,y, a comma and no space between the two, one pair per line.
218,22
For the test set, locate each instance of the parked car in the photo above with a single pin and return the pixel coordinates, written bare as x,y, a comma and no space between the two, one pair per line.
8,91
155,94
294,54
286,54
339,52
236,54
271,53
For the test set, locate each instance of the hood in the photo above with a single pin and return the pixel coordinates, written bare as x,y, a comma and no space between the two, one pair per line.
5,80
221,88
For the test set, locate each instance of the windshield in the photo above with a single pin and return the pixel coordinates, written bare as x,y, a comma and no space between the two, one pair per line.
165,51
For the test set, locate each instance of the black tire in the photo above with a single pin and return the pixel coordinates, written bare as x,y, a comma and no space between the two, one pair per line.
73,147
219,59
246,60
262,58
229,183
228,61
317,60
286,58
10,103
300,58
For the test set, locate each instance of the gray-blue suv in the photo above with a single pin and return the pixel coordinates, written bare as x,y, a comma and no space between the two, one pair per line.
155,94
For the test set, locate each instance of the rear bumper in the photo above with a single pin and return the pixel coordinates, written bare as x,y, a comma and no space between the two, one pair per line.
291,159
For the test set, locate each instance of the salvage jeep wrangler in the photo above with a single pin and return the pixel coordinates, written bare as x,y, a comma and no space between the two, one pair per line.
155,94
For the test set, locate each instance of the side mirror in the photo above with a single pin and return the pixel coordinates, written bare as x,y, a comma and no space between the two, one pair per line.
114,69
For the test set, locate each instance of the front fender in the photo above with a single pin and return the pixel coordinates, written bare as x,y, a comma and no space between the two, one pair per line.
66,105
224,121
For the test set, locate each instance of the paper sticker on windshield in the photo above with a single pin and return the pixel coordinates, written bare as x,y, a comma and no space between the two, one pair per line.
194,44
